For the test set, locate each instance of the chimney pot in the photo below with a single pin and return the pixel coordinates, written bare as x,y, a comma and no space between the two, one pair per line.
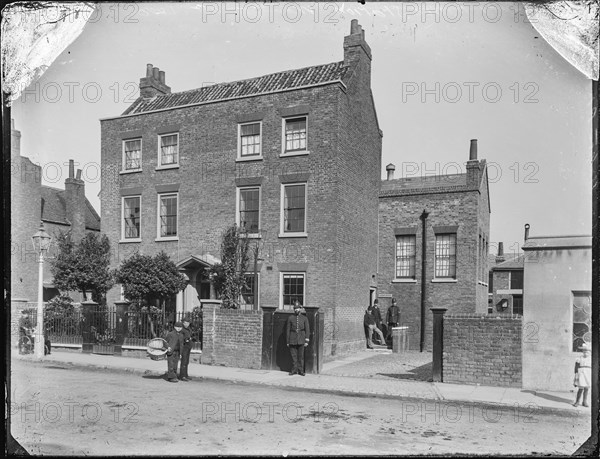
161,76
71,168
148,70
78,174
500,249
155,71
473,150
354,27
526,231
390,168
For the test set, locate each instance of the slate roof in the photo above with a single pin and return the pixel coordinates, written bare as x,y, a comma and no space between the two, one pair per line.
54,209
517,262
275,82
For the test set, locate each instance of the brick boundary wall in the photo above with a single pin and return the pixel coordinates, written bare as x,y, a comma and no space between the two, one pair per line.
483,349
232,337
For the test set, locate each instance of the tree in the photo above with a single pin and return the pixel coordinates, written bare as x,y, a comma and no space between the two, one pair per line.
234,263
146,279
83,266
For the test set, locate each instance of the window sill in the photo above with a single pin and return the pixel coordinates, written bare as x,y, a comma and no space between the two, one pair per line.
168,166
444,281
293,235
129,171
125,241
404,281
166,239
294,153
248,158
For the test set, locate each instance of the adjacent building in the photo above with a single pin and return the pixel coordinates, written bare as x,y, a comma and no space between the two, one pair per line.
506,283
557,308
293,158
65,210
433,245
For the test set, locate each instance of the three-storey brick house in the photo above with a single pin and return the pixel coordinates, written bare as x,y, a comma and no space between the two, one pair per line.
293,158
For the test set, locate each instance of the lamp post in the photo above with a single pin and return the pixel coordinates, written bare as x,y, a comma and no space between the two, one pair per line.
41,242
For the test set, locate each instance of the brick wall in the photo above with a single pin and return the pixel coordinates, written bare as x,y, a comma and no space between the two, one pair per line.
232,337
483,349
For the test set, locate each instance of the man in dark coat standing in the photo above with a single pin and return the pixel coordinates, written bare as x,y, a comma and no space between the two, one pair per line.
377,316
392,317
175,345
297,333
186,334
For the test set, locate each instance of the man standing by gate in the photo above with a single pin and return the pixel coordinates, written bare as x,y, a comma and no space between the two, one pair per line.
297,333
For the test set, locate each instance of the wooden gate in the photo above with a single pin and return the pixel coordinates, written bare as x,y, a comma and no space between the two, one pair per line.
275,353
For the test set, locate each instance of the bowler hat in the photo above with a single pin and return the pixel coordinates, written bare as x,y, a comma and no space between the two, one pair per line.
178,324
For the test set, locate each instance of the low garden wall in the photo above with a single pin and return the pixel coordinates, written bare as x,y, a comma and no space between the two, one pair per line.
483,349
231,337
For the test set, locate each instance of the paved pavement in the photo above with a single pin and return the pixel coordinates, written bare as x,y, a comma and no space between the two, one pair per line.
405,389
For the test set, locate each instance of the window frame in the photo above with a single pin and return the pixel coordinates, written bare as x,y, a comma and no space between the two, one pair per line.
575,293
130,239
159,197
284,151
238,196
412,277
450,278
254,157
282,275
124,169
174,165
282,232
256,306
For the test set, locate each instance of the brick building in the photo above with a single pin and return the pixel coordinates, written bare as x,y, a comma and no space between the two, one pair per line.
457,226
31,202
506,283
293,157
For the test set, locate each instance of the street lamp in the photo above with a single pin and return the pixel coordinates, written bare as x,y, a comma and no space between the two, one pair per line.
41,242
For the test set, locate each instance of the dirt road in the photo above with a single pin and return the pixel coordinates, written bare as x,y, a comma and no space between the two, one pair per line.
63,411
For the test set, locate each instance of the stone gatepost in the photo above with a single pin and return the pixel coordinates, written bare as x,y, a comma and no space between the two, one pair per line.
88,309
121,309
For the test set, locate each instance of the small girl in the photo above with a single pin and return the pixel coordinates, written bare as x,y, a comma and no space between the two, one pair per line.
583,374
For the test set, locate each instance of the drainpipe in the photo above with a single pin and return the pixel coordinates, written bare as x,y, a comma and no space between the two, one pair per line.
423,276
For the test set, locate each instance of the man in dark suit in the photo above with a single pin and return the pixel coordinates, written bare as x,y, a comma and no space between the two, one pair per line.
297,333
175,345
186,350
392,317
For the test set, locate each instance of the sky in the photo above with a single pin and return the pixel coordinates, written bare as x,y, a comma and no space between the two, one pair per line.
442,74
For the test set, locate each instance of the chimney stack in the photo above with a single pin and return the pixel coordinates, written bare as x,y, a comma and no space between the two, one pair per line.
500,257
526,231
390,168
357,54
153,84
75,202
473,170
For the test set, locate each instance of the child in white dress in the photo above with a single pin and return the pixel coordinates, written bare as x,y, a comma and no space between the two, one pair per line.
583,374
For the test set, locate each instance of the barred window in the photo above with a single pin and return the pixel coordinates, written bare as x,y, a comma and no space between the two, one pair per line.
132,154
445,256
250,139
169,149
131,217
293,289
295,134
168,215
582,319
405,256
249,209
